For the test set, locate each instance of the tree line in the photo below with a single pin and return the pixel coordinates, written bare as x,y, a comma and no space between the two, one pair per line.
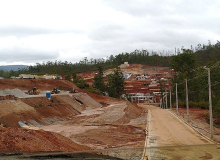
188,64
192,64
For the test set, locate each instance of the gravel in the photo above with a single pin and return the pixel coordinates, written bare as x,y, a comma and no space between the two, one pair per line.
16,92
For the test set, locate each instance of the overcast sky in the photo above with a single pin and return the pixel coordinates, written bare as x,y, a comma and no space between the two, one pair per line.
34,31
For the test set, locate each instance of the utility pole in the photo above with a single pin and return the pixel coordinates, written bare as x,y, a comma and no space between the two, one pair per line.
187,102
177,101
170,99
166,98
160,103
210,104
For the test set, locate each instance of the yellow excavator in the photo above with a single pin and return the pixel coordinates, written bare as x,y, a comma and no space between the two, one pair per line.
34,91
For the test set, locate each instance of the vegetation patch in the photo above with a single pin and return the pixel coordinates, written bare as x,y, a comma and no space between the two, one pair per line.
38,106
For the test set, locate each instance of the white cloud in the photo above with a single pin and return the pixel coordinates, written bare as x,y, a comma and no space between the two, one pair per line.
69,30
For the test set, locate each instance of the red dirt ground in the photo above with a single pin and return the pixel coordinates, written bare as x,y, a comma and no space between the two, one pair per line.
18,139
62,108
112,137
42,84
35,108
198,118
106,127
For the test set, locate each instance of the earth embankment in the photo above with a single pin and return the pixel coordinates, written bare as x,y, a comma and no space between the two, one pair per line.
85,119
112,126
42,84
19,139
40,109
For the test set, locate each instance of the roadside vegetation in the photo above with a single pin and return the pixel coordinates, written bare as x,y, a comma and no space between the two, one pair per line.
193,66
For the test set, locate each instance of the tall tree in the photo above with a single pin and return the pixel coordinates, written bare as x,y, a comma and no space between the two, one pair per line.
115,85
99,80
185,62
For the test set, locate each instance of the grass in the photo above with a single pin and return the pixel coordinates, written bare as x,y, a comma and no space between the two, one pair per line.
38,106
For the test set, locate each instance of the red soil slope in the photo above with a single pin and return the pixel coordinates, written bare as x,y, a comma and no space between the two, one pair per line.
18,139
42,84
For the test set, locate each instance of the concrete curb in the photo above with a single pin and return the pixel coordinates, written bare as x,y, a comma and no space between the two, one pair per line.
147,134
201,134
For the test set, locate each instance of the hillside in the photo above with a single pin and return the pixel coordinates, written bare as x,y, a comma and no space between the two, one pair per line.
13,67
19,139
42,84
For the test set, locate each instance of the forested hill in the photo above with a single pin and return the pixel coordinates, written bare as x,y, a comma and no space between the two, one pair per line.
204,55
13,67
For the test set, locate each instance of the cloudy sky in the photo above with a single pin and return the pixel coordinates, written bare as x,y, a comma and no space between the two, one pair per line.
34,31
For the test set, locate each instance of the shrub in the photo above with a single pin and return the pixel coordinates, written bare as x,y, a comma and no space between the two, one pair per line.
193,104
38,106
94,90
203,105
181,104
80,82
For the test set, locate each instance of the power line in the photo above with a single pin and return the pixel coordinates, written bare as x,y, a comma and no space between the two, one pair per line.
203,74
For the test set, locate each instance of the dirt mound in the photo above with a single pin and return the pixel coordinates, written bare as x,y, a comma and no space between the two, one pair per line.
71,101
39,109
109,114
42,84
18,139
99,98
13,112
105,127
132,111
117,113
117,136
86,100
51,108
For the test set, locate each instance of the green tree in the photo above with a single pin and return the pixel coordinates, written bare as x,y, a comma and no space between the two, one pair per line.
68,77
80,82
115,85
184,62
74,74
99,80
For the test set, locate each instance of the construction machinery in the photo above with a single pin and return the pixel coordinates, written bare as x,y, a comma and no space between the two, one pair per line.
55,91
34,91
73,90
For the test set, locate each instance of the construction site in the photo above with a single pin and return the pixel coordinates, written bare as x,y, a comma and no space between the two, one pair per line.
46,115
143,83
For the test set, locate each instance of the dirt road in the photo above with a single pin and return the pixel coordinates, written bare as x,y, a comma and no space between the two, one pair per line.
164,129
167,130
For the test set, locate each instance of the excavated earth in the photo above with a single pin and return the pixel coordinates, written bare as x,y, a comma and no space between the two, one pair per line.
70,122
19,139
67,122
42,84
